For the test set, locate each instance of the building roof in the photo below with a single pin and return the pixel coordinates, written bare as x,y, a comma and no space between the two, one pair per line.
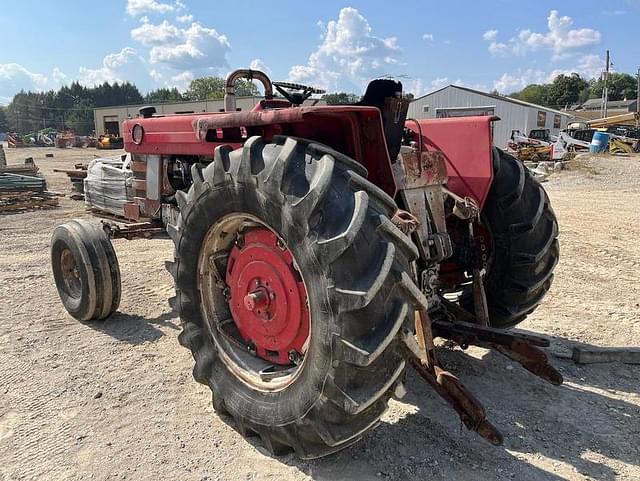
498,97
596,104
169,102
257,98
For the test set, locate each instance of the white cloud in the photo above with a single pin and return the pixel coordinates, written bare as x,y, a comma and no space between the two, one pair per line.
122,66
149,34
181,80
58,75
419,88
508,83
138,7
14,77
588,67
155,75
560,38
185,18
197,47
348,53
428,36
258,64
496,48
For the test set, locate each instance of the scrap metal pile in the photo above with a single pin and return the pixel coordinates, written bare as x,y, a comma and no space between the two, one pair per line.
21,189
50,138
24,192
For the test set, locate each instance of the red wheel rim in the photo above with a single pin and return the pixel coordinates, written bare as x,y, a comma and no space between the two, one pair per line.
268,302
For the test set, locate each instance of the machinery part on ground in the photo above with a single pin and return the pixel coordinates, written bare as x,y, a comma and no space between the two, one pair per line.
524,246
109,141
86,271
344,265
623,145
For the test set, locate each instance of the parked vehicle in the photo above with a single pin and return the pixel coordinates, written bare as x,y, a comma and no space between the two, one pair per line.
306,240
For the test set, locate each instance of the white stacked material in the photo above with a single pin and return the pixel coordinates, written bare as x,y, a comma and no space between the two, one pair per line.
109,184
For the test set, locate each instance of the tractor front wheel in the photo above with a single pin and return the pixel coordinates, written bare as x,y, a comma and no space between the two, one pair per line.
85,269
292,287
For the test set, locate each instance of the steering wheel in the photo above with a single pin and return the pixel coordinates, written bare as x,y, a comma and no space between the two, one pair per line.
296,93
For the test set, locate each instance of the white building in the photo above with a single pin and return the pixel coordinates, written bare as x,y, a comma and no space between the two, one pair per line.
455,101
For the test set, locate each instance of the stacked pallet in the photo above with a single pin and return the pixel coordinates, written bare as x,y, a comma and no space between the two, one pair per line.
28,168
20,193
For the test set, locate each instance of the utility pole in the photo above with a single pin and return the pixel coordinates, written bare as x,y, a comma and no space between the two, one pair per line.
605,91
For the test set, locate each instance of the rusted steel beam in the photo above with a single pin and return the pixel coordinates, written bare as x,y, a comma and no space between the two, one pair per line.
519,346
451,389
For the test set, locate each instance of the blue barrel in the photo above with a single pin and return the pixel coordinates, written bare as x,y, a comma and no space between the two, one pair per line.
599,143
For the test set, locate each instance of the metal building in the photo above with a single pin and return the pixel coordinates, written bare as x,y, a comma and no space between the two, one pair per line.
109,119
455,101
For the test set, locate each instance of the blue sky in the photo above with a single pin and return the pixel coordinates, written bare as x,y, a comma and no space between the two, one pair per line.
336,45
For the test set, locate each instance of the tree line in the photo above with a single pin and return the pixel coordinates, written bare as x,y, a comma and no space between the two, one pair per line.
568,90
71,106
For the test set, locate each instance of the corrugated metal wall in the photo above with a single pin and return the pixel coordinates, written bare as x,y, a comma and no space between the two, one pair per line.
512,116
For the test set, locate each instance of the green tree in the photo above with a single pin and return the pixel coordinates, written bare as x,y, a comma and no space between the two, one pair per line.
533,93
4,122
339,98
620,86
565,89
213,88
163,95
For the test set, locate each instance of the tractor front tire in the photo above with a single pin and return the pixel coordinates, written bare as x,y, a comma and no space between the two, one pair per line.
85,269
353,262
524,245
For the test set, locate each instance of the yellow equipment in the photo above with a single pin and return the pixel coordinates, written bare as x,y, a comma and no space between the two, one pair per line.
109,141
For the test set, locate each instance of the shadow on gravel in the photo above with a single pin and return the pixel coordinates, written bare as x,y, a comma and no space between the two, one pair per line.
559,426
135,329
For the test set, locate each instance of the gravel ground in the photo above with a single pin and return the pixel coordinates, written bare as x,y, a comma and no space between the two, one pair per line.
116,400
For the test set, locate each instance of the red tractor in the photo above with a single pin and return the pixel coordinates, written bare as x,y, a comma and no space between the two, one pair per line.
319,250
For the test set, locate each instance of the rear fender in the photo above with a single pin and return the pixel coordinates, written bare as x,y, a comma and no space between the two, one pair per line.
467,146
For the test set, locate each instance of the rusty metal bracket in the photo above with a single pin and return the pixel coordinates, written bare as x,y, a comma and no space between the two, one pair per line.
451,389
521,347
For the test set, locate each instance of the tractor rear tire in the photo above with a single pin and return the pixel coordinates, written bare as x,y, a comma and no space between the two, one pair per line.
524,244
354,263
85,269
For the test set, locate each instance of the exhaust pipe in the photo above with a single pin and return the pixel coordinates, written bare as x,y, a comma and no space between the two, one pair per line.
229,88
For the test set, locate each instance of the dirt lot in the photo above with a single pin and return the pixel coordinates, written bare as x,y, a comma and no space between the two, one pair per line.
116,400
